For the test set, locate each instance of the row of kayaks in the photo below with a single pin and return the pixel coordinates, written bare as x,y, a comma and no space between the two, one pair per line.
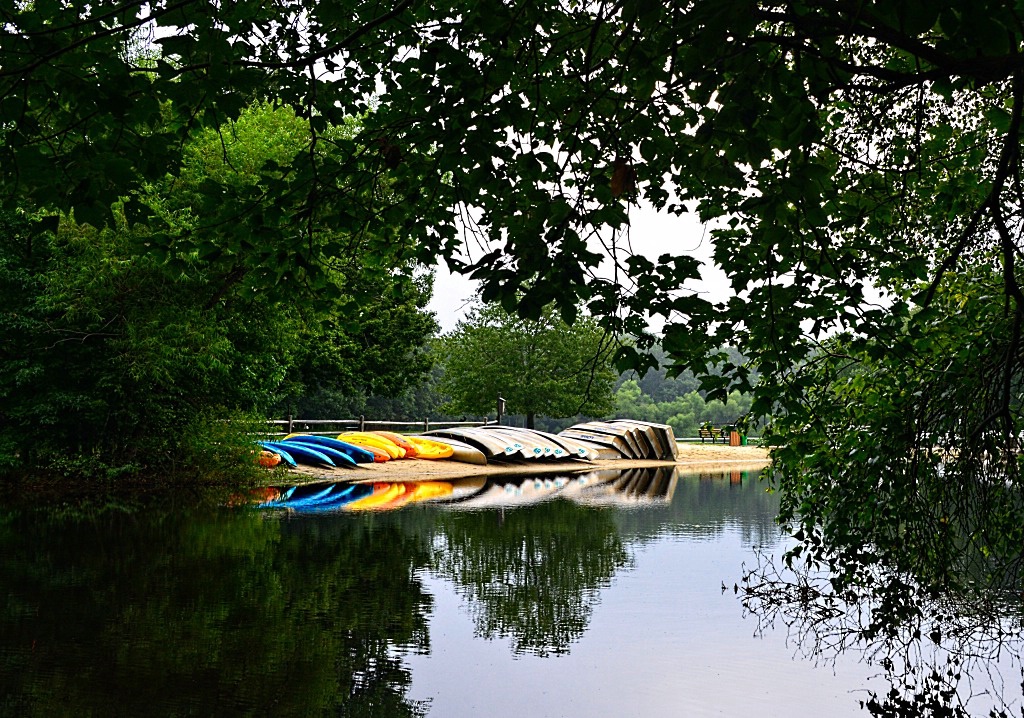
633,486
617,439
349,449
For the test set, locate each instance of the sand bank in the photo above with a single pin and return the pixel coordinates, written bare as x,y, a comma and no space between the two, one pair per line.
695,458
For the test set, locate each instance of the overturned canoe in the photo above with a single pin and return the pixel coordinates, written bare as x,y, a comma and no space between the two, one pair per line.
493,447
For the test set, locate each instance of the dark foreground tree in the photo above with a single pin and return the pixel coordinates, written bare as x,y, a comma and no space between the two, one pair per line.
540,367
859,164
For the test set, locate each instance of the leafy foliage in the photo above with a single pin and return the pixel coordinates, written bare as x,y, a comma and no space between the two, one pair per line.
370,353
940,508
121,338
850,159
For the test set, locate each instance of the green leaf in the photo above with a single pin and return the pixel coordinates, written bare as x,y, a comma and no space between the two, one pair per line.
999,118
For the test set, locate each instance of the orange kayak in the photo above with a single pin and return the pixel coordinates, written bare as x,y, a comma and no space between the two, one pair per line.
400,441
268,459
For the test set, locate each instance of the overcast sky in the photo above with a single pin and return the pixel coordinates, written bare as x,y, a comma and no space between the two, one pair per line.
652,234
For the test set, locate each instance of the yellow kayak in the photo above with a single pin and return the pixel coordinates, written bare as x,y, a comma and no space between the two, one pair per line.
430,449
375,440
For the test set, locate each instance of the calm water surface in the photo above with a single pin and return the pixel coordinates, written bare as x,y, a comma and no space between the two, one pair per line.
532,598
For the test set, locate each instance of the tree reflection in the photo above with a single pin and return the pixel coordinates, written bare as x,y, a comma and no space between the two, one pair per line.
223,613
941,654
532,574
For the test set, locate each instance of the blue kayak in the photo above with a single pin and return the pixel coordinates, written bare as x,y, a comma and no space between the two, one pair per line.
339,458
358,453
302,454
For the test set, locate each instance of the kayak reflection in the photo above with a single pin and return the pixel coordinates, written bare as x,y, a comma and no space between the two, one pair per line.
638,486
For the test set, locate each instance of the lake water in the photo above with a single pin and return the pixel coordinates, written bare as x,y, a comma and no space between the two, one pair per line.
538,597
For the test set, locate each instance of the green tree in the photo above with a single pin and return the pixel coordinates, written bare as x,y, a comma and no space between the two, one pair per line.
366,358
123,339
632,403
542,366
361,303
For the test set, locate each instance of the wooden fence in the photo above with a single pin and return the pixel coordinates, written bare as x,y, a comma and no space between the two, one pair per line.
319,426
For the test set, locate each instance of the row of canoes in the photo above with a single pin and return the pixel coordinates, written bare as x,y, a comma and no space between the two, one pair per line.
617,439
592,488
627,439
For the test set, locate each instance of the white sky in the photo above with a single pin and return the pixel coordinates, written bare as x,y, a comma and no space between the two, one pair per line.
652,234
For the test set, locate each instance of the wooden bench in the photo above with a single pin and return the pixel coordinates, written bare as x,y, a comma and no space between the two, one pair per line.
710,433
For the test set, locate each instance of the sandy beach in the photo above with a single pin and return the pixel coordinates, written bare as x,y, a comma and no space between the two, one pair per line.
692,457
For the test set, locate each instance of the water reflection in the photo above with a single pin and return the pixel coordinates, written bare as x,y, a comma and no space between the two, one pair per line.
315,610
532,574
616,487
206,614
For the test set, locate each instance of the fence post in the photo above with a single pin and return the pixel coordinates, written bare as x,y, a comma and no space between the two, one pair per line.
501,409
290,424
426,424
362,423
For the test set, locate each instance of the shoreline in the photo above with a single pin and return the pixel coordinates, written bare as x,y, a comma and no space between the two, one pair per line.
695,458
35,492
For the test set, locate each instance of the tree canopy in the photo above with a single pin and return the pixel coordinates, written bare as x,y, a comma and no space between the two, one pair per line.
858,164
540,367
